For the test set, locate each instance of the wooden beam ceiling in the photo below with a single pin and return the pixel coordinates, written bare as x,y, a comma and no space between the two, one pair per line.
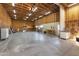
24,9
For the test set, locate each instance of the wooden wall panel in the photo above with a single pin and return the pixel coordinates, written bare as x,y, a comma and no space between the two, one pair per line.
5,20
72,13
20,25
54,17
72,18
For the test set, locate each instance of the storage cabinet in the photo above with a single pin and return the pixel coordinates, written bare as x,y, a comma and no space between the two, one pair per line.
64,35
4,33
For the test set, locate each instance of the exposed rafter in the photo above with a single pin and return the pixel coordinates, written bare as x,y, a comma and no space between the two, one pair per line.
35,10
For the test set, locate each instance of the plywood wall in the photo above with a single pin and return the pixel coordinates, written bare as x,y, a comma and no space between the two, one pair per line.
72,18
20,24
5,20
54,17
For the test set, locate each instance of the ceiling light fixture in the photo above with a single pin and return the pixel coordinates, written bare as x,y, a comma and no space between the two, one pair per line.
71,4
40,16
27,17
30,14
47,13
34,9
14,11
13,4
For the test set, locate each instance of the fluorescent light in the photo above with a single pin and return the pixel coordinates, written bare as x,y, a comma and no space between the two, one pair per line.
30,14
13,4
40,16
27,17
71,4
14,11
47,13
34,9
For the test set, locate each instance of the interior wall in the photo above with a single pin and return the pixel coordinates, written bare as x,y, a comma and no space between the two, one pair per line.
20,25
5,20
51,26
49,23
72,18
54,17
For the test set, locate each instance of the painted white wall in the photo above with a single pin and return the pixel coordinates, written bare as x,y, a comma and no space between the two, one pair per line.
54,26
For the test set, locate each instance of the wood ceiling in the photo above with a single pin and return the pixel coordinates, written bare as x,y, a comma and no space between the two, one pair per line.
67,5
30,11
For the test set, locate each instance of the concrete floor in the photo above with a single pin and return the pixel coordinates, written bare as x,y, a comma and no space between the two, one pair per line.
37,44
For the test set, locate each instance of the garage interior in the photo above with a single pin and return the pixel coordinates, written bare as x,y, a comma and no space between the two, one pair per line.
39,29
